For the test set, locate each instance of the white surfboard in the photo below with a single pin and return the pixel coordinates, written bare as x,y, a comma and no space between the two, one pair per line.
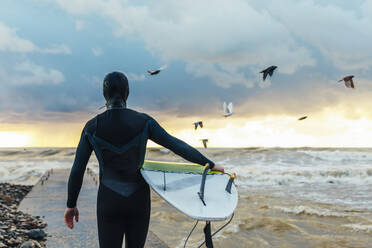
179,184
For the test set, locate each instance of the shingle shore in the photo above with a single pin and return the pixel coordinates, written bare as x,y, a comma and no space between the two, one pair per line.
18,229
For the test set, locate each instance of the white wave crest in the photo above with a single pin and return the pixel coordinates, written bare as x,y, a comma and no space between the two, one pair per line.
298,210
360,227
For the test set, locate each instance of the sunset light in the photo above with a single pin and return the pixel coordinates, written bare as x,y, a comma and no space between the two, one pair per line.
280,131
14,139
277,93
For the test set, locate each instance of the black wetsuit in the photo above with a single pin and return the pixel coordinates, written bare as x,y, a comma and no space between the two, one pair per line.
118,137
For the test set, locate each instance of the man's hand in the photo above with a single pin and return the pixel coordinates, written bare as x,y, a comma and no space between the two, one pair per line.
218,168
69,216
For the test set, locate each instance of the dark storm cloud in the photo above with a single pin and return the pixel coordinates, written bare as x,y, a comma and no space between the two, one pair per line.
206,65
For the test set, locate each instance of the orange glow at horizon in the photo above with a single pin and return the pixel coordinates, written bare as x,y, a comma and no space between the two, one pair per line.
329,129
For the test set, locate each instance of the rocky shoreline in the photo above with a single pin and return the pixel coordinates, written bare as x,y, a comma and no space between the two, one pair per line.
18,229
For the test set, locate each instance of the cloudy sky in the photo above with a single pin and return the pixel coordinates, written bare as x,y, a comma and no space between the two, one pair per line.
55,53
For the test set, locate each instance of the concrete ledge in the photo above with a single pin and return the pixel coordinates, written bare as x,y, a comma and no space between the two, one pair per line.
48,199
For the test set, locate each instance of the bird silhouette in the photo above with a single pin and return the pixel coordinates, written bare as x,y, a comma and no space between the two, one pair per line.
268,71
302,118
198,123
227,109
348,81
205,141
156,71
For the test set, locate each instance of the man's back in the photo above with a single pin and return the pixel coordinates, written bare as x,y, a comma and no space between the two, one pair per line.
118,127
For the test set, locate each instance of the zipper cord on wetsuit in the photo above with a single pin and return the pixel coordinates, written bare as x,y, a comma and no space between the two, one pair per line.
219,229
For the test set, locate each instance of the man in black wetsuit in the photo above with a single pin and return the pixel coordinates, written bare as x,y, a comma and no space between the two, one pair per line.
118,137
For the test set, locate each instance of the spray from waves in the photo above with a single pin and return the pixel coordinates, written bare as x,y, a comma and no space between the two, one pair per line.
294,156
27,172
249,176
12,154
26,166
260,167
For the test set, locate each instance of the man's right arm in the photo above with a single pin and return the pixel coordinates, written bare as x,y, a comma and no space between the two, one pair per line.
75,181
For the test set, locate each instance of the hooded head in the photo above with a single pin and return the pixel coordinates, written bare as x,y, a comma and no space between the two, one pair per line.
115,89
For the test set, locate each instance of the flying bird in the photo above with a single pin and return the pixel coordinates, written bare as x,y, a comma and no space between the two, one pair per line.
227,109
268,71
302,118
156,71
348,81
198,123
205,141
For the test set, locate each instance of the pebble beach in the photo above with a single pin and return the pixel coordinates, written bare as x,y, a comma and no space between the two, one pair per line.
19,229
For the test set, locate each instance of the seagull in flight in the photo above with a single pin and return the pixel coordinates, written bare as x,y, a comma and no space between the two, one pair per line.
348,81
156,71
227,109
205,141
302,118
268,71
198,123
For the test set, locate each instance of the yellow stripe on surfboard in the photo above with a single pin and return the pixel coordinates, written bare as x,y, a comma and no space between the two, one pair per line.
174,167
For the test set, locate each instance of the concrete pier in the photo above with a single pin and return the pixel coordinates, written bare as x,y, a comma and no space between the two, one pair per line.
48,199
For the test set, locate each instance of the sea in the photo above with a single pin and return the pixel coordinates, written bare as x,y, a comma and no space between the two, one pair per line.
288,197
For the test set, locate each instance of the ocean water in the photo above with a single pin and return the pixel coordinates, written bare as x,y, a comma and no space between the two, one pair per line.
296,197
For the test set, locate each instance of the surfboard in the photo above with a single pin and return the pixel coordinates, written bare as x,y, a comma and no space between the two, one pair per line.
179,184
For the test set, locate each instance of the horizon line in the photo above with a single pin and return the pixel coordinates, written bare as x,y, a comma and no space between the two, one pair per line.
201,147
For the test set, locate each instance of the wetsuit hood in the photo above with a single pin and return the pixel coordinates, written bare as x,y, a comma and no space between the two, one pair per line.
115,89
